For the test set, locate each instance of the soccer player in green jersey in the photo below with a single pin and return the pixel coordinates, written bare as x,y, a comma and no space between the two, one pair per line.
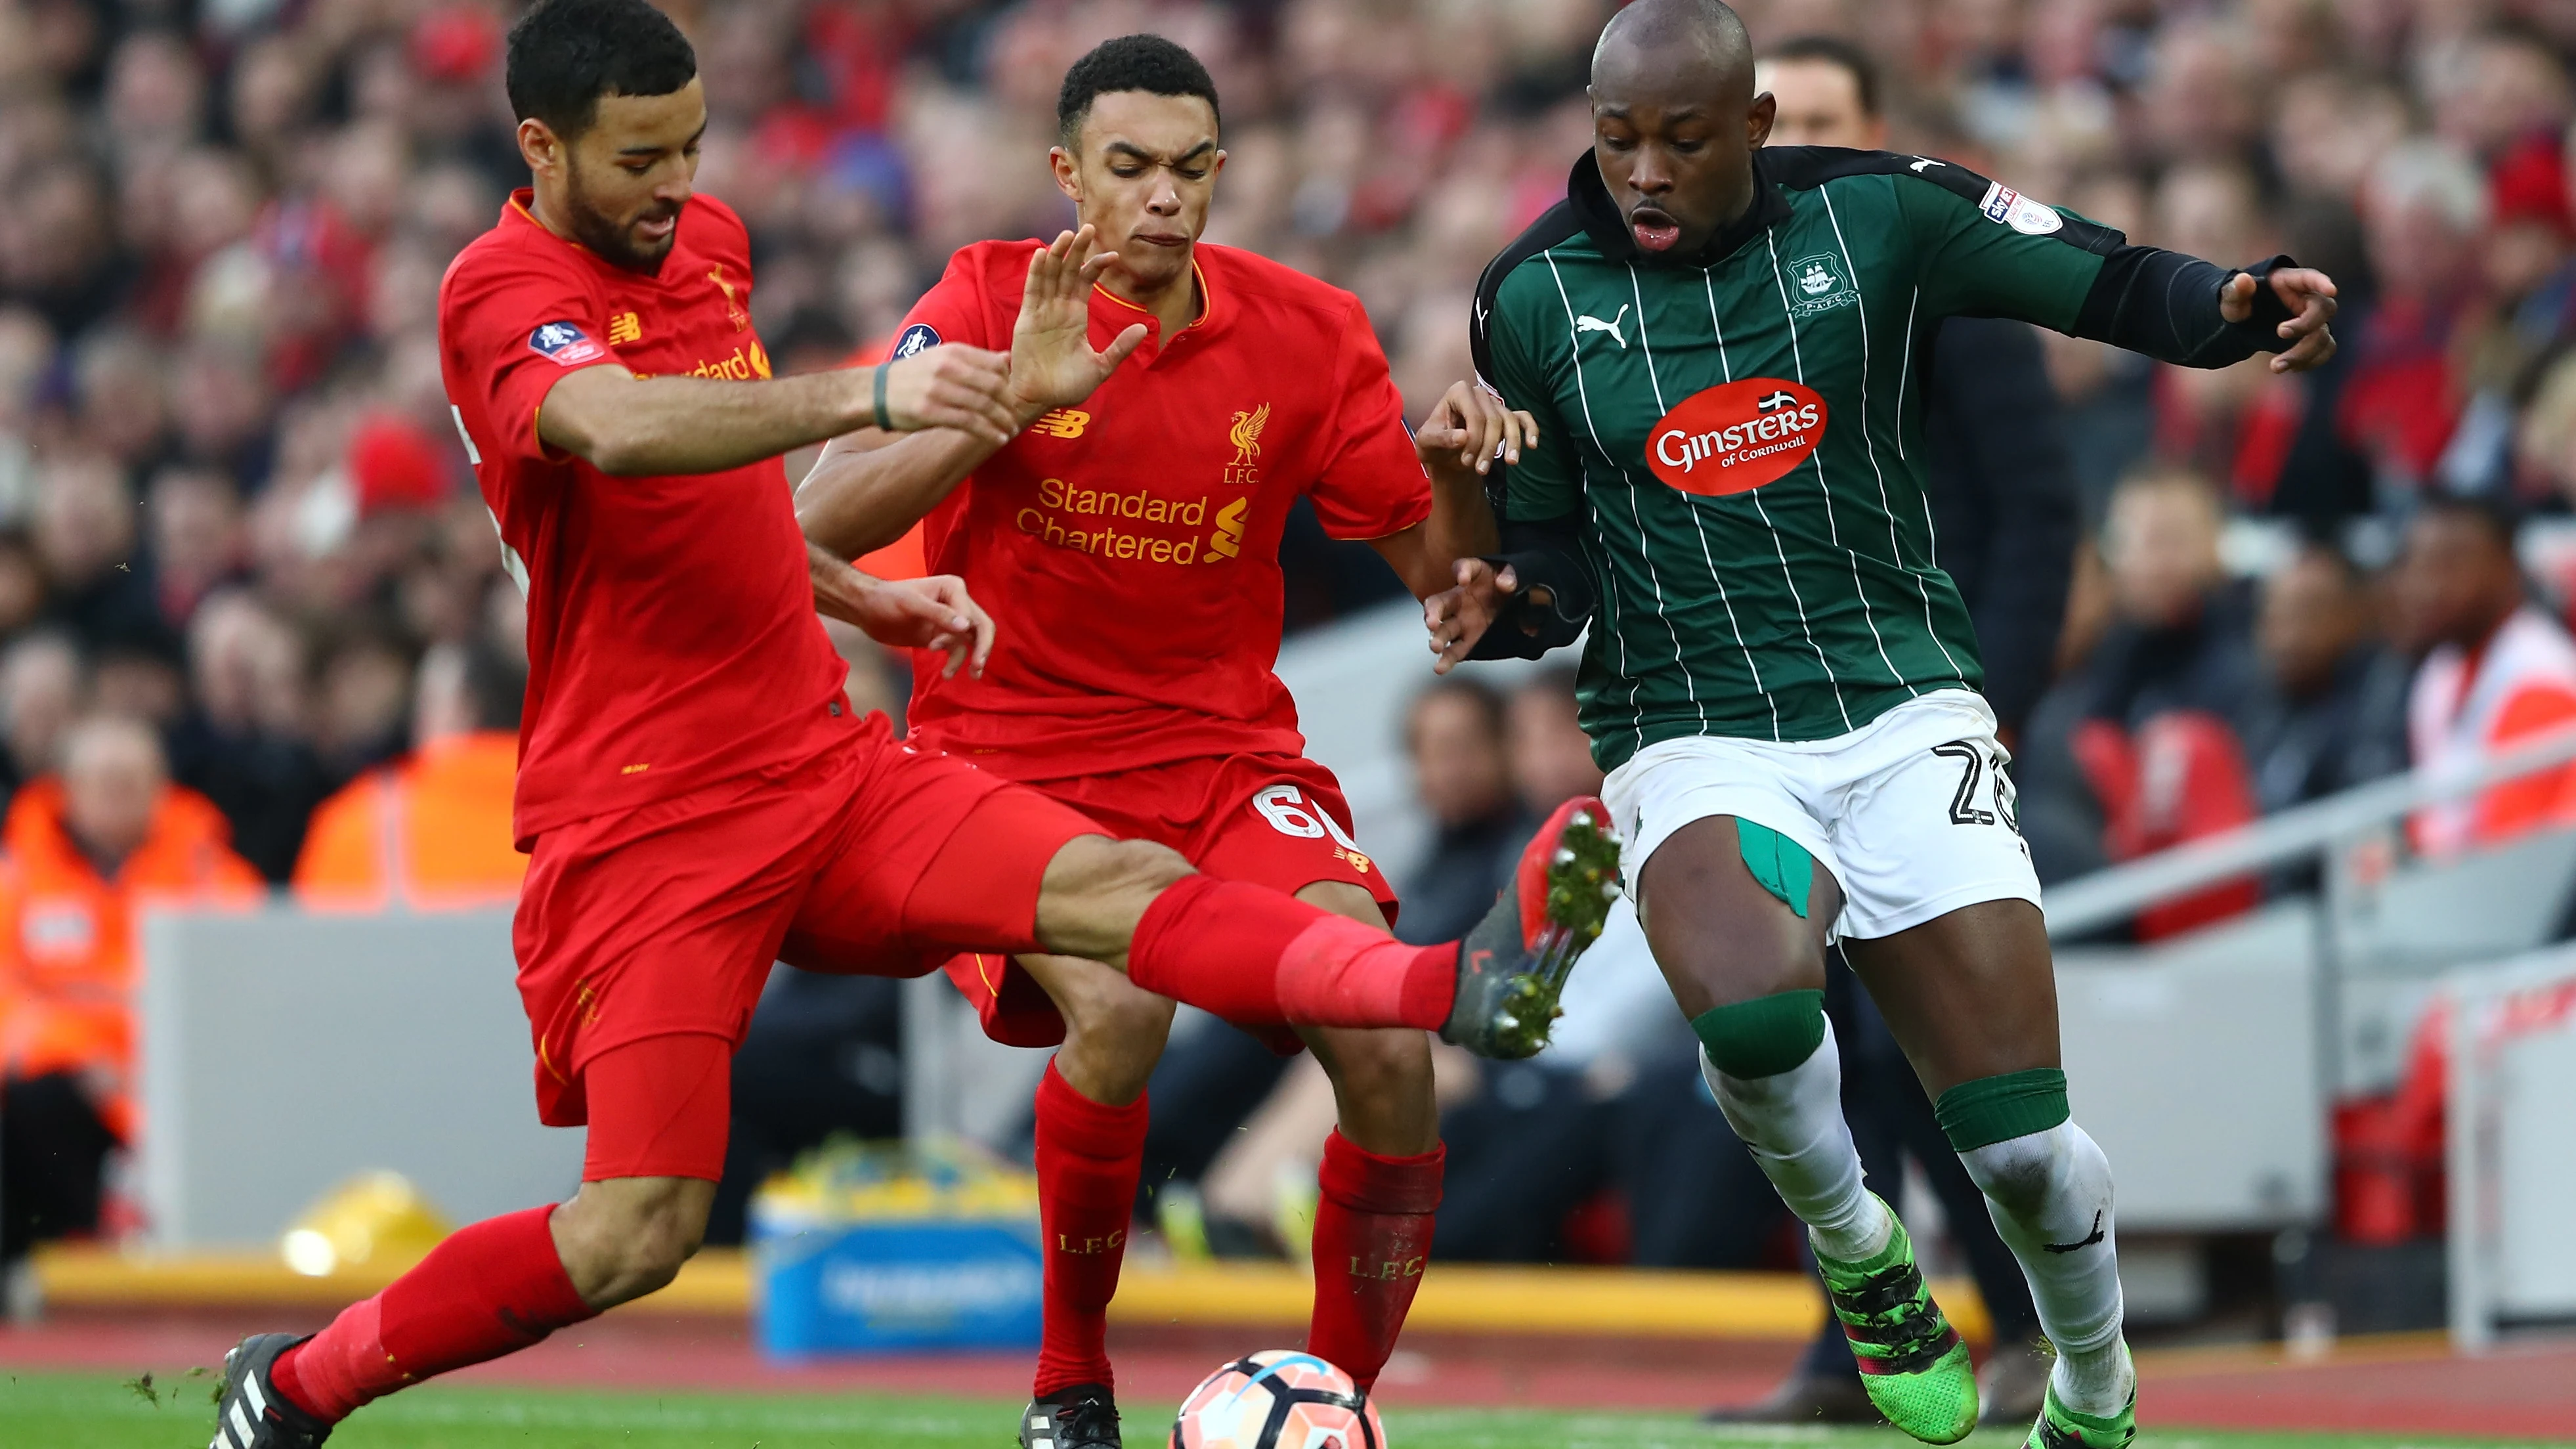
1722,346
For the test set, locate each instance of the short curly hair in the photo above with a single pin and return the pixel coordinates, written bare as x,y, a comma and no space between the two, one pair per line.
1147,63
565,54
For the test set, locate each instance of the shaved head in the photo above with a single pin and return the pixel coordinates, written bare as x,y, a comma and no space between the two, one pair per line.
1675,120
1705,33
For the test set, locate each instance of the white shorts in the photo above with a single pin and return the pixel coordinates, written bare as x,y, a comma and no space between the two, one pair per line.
1912,813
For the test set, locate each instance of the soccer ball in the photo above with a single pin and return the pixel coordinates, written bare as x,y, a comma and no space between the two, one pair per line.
1278,1399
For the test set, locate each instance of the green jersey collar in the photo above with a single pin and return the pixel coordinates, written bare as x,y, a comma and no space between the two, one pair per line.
1590,197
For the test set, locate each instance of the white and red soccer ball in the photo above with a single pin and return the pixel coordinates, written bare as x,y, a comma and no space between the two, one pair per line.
1278,1399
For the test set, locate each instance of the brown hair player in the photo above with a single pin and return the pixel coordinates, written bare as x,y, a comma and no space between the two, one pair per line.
1132,535
695,791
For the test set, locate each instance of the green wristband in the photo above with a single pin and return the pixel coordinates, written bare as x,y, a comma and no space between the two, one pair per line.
884,423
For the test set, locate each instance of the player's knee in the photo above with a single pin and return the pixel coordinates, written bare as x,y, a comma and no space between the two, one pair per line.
631,1236
664,1240
1108,1013
2019,1174
1096,870
2014,1135
1143,866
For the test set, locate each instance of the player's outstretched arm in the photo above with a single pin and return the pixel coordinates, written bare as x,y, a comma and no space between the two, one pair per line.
2308,294
867,488
2180,309
925,613
1457,444
627,426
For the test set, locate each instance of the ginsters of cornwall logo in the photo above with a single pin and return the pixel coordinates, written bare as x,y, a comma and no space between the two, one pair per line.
1818,285
1736,437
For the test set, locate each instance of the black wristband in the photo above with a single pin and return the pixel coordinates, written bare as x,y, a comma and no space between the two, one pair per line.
884,423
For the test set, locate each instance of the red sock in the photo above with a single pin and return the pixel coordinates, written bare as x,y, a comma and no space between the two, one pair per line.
493,1287
1089,1157
1372,1240
1252,955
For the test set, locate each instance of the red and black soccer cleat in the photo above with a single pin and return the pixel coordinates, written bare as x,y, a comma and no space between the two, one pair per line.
251,1413
1084,1416
1512,966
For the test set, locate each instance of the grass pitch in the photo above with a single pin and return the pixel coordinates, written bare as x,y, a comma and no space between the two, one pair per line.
61,1411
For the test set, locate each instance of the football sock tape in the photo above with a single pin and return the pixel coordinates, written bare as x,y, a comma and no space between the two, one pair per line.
1988,1110
1765,1036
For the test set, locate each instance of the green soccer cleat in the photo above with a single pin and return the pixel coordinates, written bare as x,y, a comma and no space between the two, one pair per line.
1512,966
2060,1427
1911,1360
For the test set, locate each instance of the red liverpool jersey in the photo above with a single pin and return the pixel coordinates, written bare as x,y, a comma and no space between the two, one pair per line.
1128,548
671,632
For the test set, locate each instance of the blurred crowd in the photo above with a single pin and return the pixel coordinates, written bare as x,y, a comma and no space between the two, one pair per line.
234,510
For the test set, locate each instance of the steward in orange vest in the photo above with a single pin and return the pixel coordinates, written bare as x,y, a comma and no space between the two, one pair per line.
82,851
433,829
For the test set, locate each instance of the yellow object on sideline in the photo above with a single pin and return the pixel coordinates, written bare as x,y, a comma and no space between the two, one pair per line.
1577,1302
376,1214
717,1282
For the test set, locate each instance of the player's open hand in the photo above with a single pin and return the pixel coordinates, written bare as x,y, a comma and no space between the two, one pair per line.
1459,617
949,387
927,613
2310,296
1053,364
1469,429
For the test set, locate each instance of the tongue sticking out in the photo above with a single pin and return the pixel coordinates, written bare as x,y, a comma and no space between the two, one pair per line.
1655,237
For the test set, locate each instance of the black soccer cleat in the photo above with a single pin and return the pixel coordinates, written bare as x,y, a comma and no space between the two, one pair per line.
251,1413
1084,1416
1512,966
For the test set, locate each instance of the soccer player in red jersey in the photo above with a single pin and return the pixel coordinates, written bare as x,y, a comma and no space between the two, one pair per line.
1130,538
697,797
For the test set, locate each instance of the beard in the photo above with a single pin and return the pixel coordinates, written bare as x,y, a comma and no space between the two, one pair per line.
613,238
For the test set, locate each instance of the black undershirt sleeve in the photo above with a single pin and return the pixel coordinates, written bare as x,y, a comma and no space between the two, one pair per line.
2165,305
1546,555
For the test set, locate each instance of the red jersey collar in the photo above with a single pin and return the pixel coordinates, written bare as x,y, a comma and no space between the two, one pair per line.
1112,314
516,212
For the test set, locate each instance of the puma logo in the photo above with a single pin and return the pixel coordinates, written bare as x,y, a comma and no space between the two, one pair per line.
2078,1247
1921,163
1594,324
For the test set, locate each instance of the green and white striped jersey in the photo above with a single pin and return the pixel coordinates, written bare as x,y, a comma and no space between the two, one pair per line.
1735,437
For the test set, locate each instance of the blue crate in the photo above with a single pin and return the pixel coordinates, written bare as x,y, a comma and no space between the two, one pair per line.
894,1285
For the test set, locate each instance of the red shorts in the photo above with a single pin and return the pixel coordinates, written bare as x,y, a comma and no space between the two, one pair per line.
869,859
1274,820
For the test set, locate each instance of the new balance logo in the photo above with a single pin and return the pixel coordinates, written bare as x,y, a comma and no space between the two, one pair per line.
1062,423
2077,1247
1595,324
